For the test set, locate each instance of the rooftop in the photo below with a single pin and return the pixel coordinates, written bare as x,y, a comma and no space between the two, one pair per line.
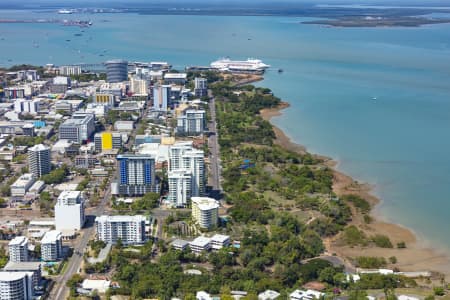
22,266
13,276
175,76
179,243
105,218
51,237
18,241
205,203
201,241
220,238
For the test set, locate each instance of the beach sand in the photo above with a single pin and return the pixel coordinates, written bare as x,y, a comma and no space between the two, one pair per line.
416,257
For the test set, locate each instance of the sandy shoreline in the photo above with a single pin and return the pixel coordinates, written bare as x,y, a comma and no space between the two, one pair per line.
416,257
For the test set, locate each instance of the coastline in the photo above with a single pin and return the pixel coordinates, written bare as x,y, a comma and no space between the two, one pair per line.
418,256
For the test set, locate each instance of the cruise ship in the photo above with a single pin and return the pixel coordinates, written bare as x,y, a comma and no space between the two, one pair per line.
246,66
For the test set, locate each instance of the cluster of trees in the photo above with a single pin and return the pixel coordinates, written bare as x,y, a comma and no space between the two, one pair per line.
56,175
139,205
28,141
233,269
86,77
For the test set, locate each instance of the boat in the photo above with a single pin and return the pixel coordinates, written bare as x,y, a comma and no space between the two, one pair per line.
374,98
249,65
65,11
280,71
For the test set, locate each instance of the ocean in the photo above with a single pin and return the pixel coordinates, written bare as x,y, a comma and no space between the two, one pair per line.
377,100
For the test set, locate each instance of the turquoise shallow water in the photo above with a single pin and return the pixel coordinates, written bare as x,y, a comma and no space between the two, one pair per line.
400,142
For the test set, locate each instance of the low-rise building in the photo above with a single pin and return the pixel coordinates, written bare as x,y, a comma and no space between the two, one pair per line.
268,295
200,244
179,244
21,186
219,241
306,295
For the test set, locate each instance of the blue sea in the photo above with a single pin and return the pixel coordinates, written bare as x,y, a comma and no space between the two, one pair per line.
377,100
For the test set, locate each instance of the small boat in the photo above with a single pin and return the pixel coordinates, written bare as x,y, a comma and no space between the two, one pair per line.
374,98
67,40
280,71
77,34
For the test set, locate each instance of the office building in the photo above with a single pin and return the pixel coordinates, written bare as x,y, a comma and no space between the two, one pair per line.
161,97
69,211
21,186
16,285
18,249
116,70
27,106
205,211
64,106
69,70
106,99
77,129
129,229
51,246
136,174
191,122
26,266
179,187
104,141
200,87
139,86
85,161
39,160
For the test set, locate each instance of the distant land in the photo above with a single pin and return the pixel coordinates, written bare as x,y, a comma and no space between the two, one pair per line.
378,21
326,14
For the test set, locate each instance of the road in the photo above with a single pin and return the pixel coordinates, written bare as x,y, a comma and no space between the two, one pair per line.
213,145
60,290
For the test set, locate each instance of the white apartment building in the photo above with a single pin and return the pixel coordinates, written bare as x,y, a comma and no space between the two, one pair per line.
205,211
191,122
179,187
27,106
194,161
69,211
39,160
21,186
18,249
200,244
129,229
183,157
219,241
51,246
16,285
161,97
69,70
139,86
175,154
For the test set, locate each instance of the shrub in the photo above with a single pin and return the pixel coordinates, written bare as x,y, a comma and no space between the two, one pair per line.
369,262
382,241
401,245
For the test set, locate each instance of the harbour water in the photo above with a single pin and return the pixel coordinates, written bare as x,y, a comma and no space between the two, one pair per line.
377,100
